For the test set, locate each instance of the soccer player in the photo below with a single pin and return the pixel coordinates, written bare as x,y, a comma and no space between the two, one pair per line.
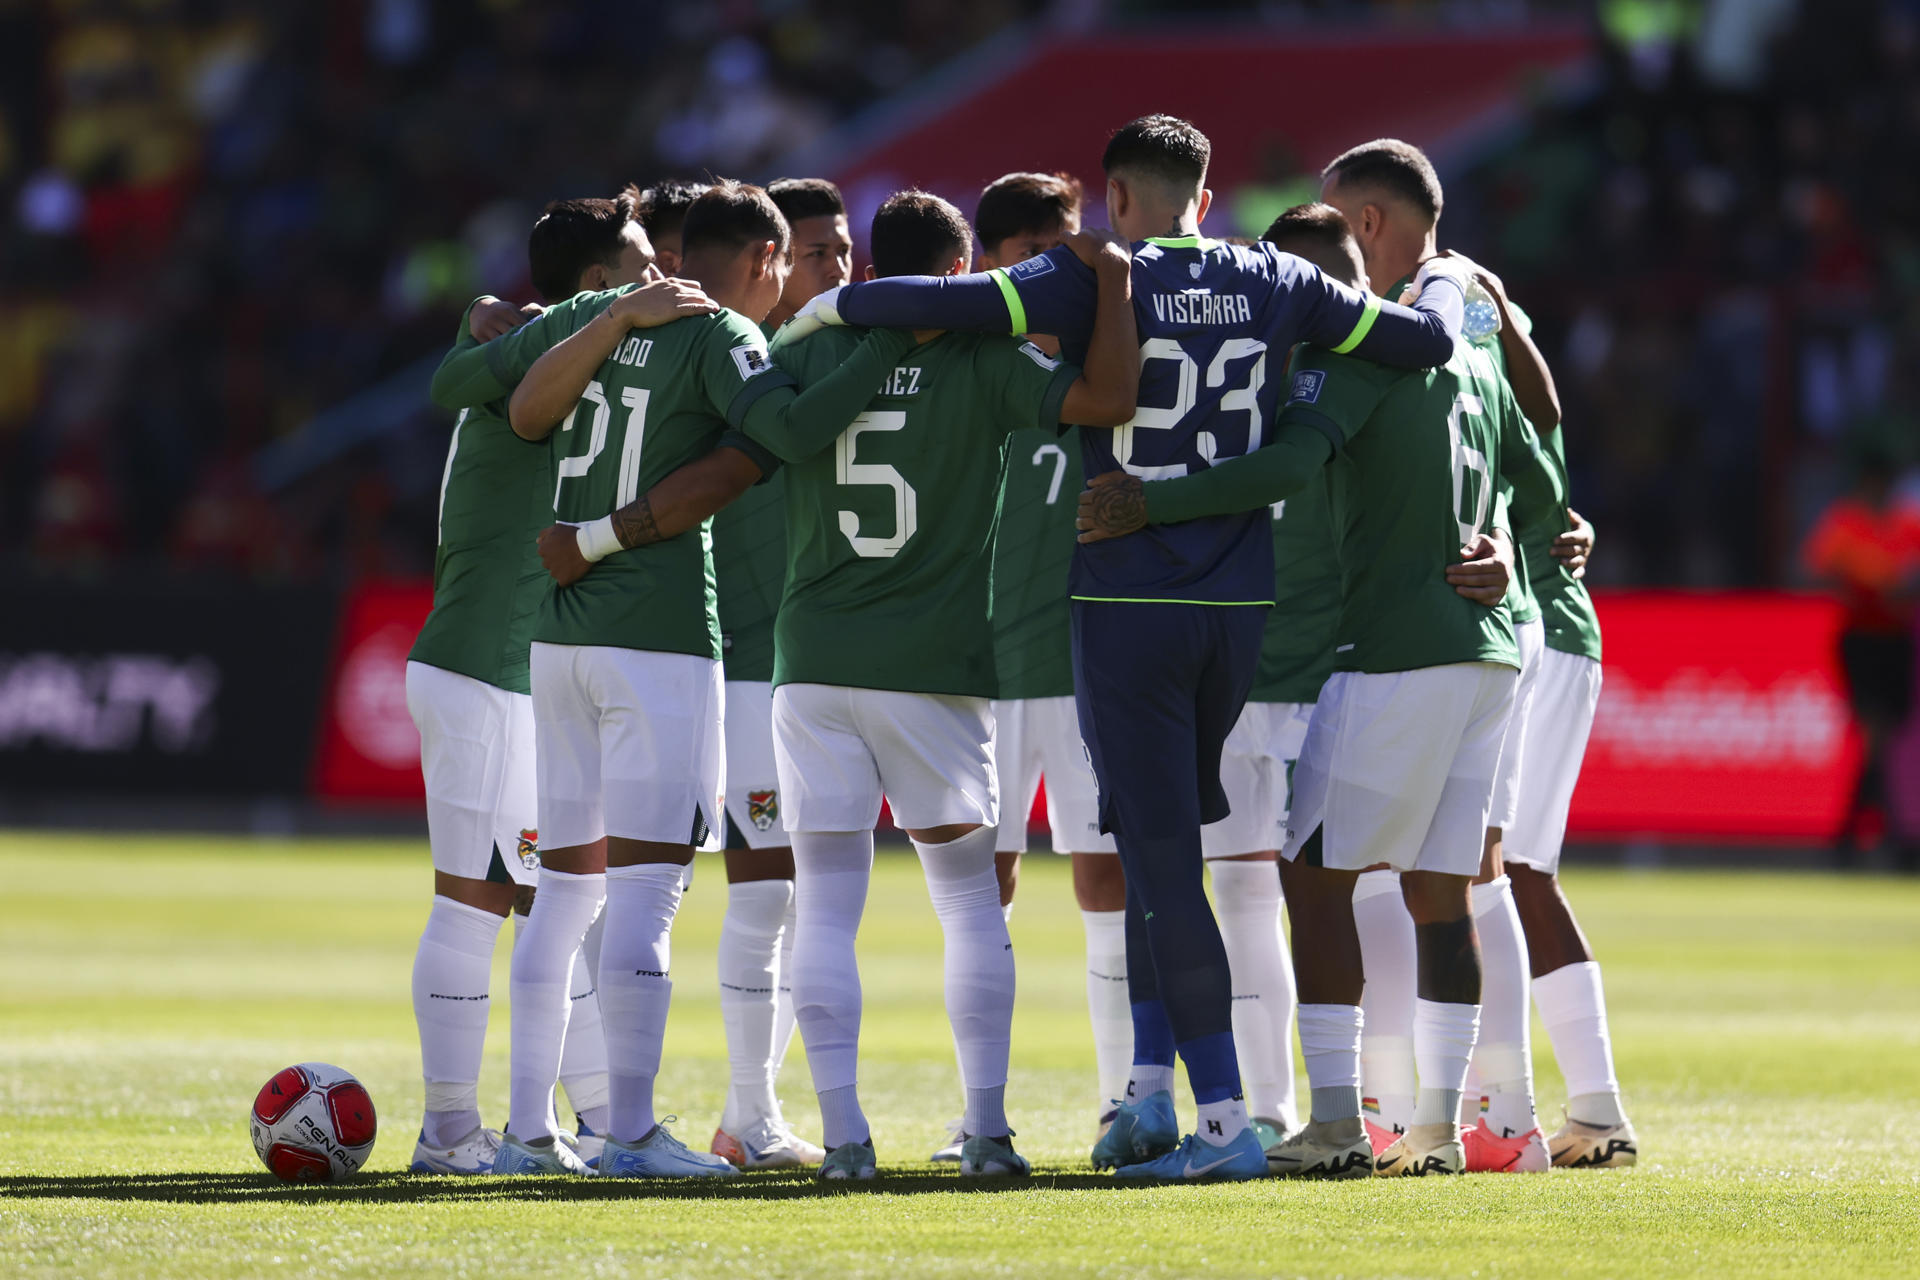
1036,730
468,693
749,567
1400,754
663,211
625,662
1392,198
1167,624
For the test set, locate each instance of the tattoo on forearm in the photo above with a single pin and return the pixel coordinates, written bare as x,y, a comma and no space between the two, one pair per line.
633,524
1120,508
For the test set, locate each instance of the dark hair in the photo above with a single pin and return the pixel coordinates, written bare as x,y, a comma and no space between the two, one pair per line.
1398,167
1163,147
1320,234
917,234
732,215
573,235
664,205
800,198
1026,202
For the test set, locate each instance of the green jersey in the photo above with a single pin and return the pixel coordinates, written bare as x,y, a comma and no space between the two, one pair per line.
890,531
1521,600
663,398
1032,549
1296,654
1571,623
496,495
1420,455
749,569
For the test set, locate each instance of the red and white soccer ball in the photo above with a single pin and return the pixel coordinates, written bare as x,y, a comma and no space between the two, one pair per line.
313,1123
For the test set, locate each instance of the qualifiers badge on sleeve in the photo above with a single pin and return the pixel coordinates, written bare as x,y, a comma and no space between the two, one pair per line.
1306,386
750,360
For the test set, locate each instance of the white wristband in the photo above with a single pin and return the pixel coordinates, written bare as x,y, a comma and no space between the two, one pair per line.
597,539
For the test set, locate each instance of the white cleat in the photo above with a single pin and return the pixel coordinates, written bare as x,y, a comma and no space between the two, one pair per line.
1323,1149
1579,1145
471,1155
949,1151
1424,1149
545,1156
766,1144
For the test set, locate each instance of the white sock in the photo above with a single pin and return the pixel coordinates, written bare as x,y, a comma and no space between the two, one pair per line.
583,1054
1221,1122
1246,899
1330,1042
749,964
832,870
1443,1036
451,972
1503,1058
979,969
1145,1080
1573,1006
543,955
1388,956
1107,1004
636,988
783,1022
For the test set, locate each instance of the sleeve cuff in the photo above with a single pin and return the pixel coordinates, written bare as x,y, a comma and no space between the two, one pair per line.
1056,398
741,442
748,396
1335,434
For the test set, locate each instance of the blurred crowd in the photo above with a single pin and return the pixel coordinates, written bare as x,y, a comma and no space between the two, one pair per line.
222,219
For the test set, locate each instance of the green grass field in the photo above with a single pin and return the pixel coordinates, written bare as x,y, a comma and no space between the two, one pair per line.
1767,1029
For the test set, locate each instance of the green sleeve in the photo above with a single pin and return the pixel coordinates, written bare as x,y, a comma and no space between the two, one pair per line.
1031,385
1537,491
1335,394
474,373
798,424
1259,479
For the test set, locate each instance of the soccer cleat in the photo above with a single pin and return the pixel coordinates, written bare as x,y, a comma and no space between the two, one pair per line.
765,1144
472,1154
1267,1132
660,1155
1140,1131
586,1144
1488,1152
1105,1122
1423,1149
1381,1136
849,1162
1579,1145
984,1157
1323,1149
950,1149
1197,1160
544,1156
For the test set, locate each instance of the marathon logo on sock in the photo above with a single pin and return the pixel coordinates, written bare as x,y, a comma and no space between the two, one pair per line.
1306,386
1213,1127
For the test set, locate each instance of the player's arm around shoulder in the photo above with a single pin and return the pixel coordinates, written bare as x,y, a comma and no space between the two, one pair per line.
554,382
837,372
1105,393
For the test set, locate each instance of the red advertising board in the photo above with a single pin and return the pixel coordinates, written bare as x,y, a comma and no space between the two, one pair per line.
1721,715
369,749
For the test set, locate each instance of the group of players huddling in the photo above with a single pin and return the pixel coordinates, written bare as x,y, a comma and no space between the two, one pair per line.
731,548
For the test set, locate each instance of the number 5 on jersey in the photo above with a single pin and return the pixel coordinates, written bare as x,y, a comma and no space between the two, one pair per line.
849,472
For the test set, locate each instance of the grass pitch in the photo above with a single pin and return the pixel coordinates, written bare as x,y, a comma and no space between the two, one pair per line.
1767,1030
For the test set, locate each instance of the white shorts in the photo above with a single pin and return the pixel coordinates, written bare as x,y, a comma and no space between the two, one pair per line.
753,780
1532,639
476,755
629,744
1036,737
1398,767
1563,705
1256,768
840,749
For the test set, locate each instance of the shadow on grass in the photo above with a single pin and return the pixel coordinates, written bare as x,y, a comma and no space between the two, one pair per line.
408,1188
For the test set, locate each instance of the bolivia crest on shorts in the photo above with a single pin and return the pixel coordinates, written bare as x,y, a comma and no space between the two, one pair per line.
528,848
763,808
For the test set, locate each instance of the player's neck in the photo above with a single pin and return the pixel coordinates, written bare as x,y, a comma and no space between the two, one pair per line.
720,277
780,314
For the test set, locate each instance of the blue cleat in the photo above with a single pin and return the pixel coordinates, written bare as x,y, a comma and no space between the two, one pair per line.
660,1155
1140,1131
1197,1160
